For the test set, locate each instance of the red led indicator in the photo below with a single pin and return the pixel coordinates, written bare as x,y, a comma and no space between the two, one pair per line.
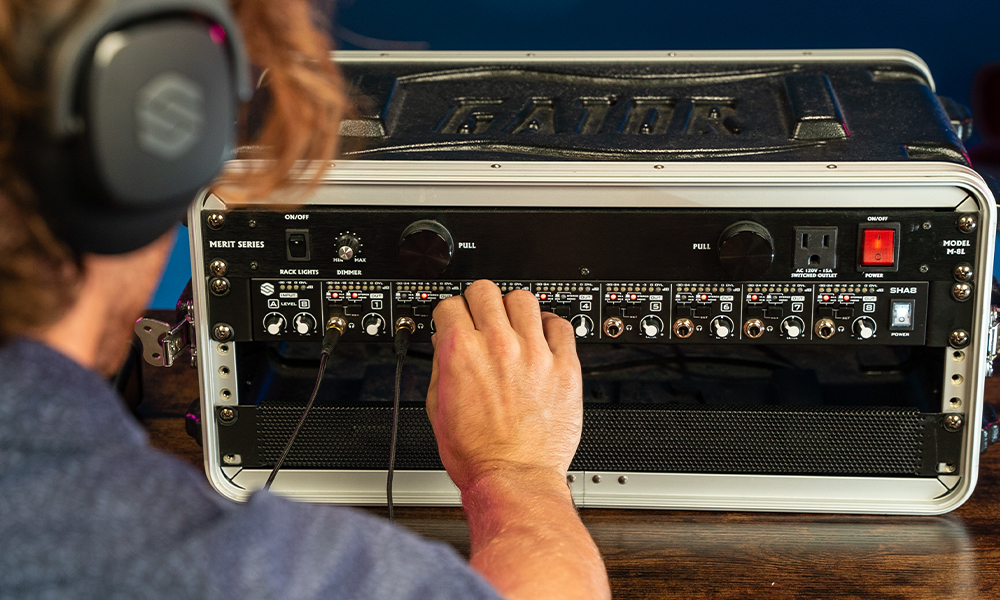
543,296
354,295
613,296
704,297
878,247
826,297
423,295
846,298
335,295
633,297
754,297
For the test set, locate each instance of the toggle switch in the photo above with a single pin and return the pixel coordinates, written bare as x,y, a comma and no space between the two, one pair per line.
878,247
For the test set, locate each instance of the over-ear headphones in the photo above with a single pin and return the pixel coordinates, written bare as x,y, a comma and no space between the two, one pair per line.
143,97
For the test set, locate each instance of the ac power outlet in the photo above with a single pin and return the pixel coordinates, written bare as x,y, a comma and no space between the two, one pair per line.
815,248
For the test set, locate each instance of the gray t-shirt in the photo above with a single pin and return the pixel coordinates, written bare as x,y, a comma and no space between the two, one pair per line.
89,510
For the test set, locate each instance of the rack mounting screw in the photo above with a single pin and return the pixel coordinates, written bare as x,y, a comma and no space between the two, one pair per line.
596,479
218,267
220,286
959,338
570,478
227,414
216,220
953,422
222,332
963,272
623,480
967,223
961,291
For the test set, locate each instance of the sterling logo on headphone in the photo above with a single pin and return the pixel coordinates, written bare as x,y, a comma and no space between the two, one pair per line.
170,115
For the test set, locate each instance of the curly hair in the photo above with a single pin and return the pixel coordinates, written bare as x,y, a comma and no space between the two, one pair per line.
40,276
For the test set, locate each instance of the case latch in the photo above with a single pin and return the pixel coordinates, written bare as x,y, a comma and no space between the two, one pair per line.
163,343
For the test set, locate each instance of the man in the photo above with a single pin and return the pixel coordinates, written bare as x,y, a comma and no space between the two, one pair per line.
87,509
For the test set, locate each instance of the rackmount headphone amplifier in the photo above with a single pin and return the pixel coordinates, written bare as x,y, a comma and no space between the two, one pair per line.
777,266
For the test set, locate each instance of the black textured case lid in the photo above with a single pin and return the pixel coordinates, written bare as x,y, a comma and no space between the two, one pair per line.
642,110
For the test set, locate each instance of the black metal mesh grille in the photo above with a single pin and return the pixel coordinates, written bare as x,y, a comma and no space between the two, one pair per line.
763,440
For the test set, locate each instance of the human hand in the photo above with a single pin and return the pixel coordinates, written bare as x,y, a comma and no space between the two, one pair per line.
506,390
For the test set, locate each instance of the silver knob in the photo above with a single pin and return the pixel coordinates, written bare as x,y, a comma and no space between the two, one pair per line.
347,247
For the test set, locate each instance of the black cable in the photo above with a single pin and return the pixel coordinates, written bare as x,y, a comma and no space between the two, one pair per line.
401,339
334,328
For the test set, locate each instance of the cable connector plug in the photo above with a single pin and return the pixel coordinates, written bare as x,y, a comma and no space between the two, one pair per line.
335,327
404,327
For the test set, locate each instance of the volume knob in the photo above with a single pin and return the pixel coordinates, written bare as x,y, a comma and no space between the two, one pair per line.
746,250
274,323
373,324
792,327
347,247
583,326
425,249
304,323
722,327
864,328
651,326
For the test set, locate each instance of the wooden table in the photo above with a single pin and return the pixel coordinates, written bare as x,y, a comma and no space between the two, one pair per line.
656,554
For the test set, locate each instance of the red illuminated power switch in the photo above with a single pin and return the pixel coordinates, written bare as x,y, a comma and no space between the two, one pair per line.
878,248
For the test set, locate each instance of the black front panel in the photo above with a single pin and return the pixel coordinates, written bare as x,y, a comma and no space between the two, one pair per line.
638,276
729,341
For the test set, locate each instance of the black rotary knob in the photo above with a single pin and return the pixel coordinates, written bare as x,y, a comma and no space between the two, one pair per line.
347,247
425,249
746,250
274,323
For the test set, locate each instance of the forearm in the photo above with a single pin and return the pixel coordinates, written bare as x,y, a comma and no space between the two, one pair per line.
528,540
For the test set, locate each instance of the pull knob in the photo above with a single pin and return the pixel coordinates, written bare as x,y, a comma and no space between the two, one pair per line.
347,247
425,249
864,328
373,324
746,250
304,323
582,325
792,327
651,326
721,327
274,323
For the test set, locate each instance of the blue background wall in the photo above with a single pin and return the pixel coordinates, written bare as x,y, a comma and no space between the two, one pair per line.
954,38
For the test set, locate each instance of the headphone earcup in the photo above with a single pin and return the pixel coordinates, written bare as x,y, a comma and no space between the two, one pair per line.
158,105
